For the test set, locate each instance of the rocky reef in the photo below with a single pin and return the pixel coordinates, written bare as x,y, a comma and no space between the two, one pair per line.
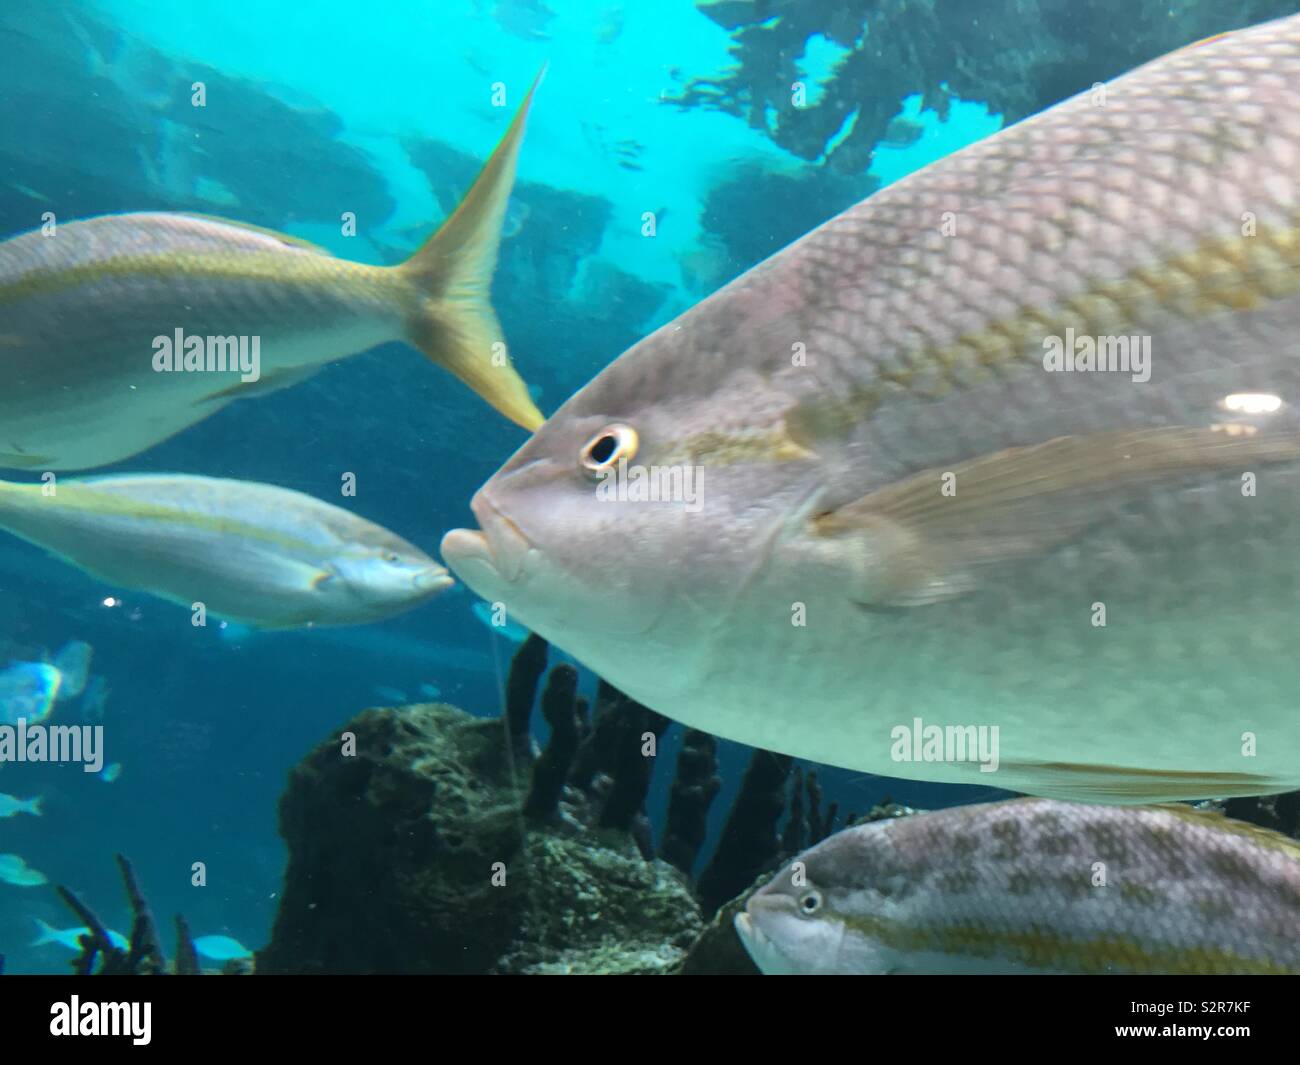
424,839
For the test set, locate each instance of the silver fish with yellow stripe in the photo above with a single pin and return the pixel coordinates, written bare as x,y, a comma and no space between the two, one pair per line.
252,553
1035,886
88,309
1009,450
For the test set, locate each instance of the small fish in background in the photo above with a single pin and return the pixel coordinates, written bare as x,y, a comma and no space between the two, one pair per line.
29,192
516,215
1035,886
13,870
392,695
28,690
95,699
609,26
110,772
902,133
72,660
221,948
70,937
11,805
525,19
90,305
499,623
249,552
232,632
430,691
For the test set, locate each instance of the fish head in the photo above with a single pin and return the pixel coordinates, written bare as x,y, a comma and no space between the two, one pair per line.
630,527
788,929
377,580
826,911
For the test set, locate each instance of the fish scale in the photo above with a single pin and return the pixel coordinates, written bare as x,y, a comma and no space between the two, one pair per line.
1038,886
84,304
918,519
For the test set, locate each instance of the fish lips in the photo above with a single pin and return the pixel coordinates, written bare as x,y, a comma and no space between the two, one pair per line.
492,555
433,580
760,946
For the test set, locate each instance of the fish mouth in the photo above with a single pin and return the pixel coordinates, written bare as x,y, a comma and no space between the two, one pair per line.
432,581
746,928
757,945
498,544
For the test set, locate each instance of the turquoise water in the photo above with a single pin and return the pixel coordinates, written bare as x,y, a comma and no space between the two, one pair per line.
384,111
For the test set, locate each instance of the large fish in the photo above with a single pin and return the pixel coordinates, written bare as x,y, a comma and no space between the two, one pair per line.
100,319
252,553
885,507
1035,886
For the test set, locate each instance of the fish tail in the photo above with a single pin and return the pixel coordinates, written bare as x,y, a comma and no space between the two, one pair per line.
47,934
454,323
33,806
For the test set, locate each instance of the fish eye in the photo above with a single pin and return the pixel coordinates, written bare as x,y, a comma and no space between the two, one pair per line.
810,902
388,556
604,450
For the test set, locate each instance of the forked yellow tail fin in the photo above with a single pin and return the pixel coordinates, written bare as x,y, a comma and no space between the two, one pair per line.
454,324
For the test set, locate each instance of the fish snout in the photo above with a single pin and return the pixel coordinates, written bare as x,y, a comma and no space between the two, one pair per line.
757,943
497,545
433,579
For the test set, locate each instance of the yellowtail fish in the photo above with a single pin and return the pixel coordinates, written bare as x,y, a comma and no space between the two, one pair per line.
252,553
1035,886
125,329
1002,460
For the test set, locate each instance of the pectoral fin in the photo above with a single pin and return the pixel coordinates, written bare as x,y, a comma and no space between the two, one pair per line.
922,539
1124,785
20,460
264,385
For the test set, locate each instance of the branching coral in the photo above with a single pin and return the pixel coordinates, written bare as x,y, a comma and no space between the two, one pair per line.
144,955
